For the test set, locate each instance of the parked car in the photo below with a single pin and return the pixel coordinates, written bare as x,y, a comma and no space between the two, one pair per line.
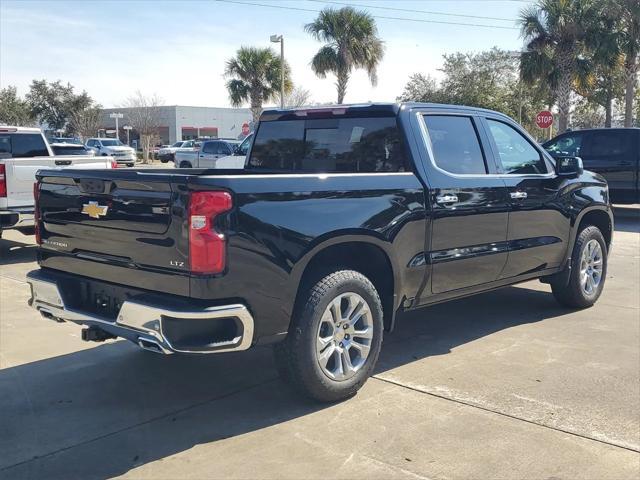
24,151
612,152
166,154
114,148
206,154
71,149
237,158
343,219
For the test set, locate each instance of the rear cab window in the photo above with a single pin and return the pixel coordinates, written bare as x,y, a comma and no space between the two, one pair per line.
454,144
23,145
350,145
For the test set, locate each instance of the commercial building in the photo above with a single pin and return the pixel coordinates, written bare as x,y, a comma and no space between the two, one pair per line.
178,122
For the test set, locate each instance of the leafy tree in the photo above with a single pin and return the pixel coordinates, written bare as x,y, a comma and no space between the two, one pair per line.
588,114
54,103
297,97
352,41
85,122
145,115
487,80
13,109
254,75
628,14
558,36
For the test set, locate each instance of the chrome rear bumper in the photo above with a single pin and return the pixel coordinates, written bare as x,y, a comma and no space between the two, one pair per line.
143,323
16,218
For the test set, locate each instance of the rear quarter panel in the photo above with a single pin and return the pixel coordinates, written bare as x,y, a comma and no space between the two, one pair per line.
280,222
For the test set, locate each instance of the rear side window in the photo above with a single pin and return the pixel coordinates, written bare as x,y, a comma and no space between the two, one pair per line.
329,145
210,147
608,144
5,146
517,155
28,145
455,144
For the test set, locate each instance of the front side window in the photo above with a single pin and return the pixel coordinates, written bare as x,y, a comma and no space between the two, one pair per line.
515,153
455,144
244,146
329,145
176,145
28,145
569,145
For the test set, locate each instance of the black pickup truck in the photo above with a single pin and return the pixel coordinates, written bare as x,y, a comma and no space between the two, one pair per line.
614,153
343,218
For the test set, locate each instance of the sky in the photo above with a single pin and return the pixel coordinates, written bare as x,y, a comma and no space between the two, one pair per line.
178,49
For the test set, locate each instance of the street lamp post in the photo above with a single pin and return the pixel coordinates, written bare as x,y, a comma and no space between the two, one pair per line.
280,39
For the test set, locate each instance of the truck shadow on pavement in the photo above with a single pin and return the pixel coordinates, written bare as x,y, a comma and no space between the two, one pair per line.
105,410
16,252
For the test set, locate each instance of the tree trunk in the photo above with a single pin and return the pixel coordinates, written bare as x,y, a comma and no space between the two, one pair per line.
563,97
630,85
341,84
256,104
608,106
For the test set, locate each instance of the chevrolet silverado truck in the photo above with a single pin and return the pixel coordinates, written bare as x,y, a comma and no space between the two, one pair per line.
343,219
24,151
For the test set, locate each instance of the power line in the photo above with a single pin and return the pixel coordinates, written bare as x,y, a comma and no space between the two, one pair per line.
409,10
418,20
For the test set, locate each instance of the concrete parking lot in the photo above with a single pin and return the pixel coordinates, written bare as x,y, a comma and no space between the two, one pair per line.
502,385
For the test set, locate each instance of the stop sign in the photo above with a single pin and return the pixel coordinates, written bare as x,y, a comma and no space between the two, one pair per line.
544,119
245,129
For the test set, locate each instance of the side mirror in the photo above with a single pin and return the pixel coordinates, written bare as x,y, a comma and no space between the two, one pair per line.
569,166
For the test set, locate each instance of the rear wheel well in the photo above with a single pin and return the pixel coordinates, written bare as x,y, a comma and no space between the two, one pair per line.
600,219
370,260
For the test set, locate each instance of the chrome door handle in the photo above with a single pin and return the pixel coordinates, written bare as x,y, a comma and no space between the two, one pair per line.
443,199
518,195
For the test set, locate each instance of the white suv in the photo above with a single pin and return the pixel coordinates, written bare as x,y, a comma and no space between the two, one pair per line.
114,148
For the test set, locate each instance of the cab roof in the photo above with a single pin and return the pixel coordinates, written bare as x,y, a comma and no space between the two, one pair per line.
362,110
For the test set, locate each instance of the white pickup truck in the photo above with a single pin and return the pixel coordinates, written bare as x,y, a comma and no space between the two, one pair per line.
215,154
24,151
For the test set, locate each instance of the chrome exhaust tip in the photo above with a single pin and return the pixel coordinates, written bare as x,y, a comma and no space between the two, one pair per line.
152,346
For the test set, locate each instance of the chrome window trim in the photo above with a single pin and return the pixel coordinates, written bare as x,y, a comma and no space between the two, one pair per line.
420,114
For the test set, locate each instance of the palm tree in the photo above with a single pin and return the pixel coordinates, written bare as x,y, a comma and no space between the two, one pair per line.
352,41
558,39
254,75
628,13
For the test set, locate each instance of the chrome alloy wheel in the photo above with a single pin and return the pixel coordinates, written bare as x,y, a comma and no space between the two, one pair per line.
591,267
344,336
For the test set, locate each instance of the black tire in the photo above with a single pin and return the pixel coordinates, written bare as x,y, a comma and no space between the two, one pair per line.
572,294
296,356
185,165
164,160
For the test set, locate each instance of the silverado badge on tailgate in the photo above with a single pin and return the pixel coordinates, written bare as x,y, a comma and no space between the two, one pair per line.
94,210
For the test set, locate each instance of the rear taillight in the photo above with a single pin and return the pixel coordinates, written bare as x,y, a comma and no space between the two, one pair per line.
207,248
114,164
36,212
3,181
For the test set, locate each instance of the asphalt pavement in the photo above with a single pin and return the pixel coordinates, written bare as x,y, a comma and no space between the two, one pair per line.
506,384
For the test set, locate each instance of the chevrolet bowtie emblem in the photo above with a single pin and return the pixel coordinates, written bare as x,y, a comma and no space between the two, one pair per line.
94,210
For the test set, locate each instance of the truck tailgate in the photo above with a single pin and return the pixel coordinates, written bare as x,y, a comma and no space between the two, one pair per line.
99,223
21,173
